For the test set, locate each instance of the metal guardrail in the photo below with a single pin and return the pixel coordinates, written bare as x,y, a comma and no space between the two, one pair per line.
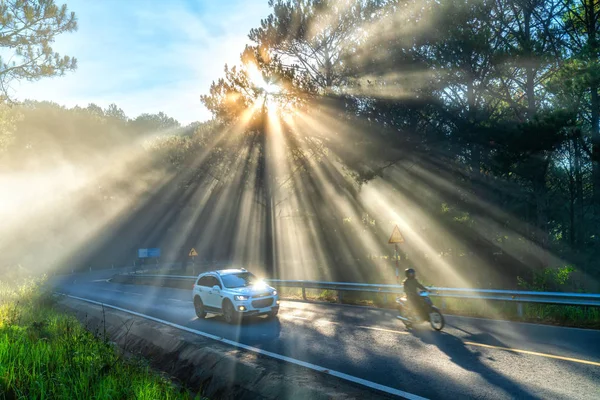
519,297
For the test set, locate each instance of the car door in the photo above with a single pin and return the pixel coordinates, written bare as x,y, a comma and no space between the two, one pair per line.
213,297
203,288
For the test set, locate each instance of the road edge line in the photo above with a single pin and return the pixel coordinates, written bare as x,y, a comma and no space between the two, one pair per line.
341,375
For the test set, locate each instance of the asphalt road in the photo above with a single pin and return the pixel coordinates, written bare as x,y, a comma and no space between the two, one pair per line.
470,358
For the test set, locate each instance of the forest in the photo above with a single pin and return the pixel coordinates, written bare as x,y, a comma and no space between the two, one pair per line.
473,125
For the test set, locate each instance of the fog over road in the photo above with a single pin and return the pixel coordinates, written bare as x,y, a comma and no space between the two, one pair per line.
474,358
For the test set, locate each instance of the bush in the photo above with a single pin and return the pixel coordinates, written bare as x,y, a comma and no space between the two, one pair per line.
549,280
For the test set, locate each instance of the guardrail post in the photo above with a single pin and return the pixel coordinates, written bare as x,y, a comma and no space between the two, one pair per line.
340,296
443,303
303,293
385,299
520,310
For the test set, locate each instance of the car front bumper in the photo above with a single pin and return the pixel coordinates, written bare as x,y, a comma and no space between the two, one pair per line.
246,307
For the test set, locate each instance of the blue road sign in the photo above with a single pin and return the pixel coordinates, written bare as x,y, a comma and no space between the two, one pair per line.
154,252
142,253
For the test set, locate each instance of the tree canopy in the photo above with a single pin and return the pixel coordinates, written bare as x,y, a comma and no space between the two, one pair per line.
27,31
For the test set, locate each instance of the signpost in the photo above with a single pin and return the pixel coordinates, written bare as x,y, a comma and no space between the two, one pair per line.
395,239
193,254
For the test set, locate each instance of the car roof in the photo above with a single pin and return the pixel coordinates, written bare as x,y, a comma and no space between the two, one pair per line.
231,271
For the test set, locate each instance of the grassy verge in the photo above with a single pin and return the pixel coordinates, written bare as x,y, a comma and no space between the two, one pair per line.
46,354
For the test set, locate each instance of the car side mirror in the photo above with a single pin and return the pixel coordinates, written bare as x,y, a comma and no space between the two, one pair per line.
216,288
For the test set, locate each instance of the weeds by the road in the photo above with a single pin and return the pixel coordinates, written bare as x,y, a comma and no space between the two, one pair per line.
46,354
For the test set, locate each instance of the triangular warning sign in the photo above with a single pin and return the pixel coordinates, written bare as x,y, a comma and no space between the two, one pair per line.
396,236
193,253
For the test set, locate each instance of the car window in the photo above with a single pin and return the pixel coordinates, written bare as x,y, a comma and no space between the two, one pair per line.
205,281
214,281
239,280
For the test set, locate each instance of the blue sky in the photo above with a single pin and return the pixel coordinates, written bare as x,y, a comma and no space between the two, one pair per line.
148,55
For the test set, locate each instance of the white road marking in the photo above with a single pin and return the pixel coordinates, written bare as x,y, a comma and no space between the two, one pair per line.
314,367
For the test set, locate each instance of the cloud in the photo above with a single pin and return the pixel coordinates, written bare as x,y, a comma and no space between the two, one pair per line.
149,56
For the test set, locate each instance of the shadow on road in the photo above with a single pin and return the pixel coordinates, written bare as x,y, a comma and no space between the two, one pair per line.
456,349
254,331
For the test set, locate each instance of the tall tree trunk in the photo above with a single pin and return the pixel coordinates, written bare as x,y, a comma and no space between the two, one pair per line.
592,31
531,107
541,204
475,148
572,173
595,102
580,209
267,195
530,72
572,225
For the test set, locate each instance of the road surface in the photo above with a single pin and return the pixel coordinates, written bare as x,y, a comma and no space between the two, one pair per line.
470,358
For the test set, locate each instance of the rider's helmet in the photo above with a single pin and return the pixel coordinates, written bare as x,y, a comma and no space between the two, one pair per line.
409,272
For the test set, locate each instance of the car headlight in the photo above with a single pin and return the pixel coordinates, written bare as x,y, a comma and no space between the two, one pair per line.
274,292
241,298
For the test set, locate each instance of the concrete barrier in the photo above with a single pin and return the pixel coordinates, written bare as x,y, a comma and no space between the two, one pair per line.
211,368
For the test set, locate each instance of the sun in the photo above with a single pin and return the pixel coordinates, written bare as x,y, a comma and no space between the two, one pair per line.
256,78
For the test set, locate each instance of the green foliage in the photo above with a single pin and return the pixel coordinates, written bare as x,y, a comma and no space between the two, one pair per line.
549,280
150,123
46,354
27,30
34,133
8,120
314,34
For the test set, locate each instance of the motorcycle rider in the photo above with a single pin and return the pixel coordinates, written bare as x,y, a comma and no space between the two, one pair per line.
411,288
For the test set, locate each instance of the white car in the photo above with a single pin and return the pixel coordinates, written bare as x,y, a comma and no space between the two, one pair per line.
233,293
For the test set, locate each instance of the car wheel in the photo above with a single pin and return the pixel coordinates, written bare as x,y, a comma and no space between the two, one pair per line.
199,307
229,314
273,313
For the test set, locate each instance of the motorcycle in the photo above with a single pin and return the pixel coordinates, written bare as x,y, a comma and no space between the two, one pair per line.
410,316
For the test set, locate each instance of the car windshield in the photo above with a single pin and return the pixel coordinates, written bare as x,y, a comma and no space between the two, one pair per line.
242,279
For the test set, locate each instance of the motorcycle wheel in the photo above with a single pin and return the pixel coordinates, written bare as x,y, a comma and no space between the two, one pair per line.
436,319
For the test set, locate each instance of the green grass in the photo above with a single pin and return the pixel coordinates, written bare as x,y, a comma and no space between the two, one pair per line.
48,355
